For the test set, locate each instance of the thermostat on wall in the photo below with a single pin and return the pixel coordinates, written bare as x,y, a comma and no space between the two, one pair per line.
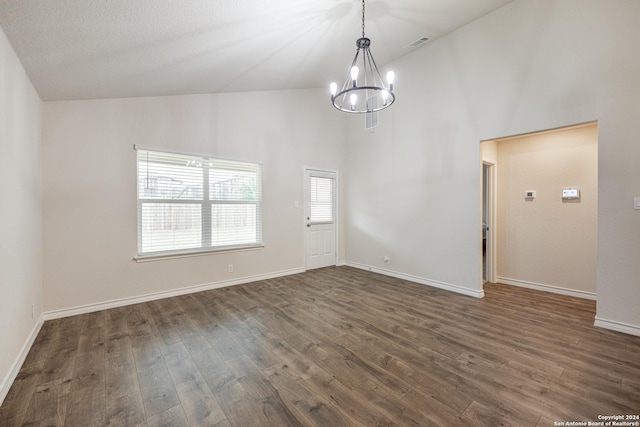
570,193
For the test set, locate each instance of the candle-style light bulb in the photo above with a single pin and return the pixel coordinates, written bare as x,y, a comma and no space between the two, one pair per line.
333,87
354,74
385,96
390,77
353,99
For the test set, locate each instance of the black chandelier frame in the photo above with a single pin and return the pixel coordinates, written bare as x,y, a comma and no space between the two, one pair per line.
352,98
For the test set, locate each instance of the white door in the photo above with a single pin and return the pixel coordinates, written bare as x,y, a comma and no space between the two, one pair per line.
320,218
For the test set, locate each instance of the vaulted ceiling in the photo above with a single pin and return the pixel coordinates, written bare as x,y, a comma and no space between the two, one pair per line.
84,49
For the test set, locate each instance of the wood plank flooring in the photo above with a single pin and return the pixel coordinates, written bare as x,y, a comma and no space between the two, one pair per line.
330,347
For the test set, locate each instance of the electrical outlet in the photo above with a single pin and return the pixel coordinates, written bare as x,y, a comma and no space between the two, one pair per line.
387,260
230,268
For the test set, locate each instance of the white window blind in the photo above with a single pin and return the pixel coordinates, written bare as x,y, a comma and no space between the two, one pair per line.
321,199
192,204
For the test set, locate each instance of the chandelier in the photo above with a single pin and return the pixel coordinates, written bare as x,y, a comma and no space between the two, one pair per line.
364,90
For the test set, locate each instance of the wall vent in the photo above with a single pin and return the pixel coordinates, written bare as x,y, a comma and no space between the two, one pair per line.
419,42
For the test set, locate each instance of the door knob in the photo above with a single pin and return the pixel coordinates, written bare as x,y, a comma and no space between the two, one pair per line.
308,224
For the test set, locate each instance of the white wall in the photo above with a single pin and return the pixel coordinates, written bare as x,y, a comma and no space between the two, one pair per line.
549,243
414,189
90,190
20,214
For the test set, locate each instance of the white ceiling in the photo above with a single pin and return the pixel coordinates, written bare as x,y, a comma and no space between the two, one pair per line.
83,49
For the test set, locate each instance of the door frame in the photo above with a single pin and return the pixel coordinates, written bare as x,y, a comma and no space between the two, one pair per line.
336,214
490,251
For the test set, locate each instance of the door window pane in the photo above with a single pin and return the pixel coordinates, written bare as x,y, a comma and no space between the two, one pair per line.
321,199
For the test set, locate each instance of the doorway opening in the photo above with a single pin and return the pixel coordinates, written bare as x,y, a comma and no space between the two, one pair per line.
488,208
543,190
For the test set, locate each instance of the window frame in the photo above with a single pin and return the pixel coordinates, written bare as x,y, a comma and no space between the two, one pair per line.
206,204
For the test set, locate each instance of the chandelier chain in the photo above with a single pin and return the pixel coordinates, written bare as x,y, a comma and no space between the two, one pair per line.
363,18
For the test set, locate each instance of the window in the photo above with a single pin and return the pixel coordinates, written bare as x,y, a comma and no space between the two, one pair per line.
192,204
321,190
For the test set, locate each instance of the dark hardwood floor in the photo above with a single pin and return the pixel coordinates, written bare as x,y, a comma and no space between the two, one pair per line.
330,347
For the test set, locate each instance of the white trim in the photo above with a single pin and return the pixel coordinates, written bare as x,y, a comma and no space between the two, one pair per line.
547,288
433,283
8,380
492,209
121,302
617,326
160,257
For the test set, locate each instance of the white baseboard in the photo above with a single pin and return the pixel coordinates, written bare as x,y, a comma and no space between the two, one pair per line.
617,326
547,288
121,302
420,280
8,380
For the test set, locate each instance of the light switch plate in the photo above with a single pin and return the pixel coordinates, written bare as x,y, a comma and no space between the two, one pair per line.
636,203
570,193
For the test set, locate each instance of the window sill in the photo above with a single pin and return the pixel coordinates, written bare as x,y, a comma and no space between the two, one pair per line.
161,257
